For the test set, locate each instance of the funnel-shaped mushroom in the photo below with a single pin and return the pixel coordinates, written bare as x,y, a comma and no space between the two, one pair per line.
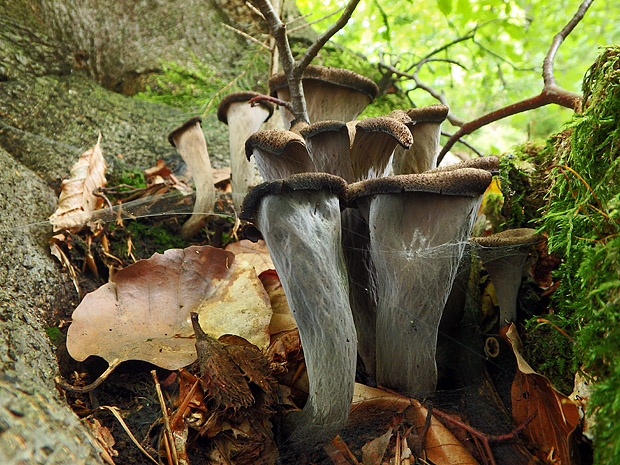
503,255
278,154
425,129
190,142
299,218
331,93
490,164
243,120
419,225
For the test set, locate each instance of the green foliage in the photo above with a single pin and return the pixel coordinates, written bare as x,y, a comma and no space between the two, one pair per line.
501,58
583,225
199,86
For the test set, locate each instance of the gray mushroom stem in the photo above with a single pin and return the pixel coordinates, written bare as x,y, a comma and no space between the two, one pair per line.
243,120
503,255
191,145
418,225
299,218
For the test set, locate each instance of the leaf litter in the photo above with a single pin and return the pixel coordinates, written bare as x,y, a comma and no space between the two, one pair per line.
225,406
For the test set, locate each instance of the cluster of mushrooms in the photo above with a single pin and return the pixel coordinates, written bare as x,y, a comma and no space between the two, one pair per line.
365,232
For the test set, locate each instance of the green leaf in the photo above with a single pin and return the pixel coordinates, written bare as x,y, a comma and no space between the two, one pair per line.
445,6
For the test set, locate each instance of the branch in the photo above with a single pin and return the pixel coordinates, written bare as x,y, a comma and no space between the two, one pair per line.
312,51
466,144
294,69
551,92
454,120
305,25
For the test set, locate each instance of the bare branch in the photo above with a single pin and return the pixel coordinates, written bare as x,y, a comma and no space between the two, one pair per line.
454,120
548,75
312,51
247,36
294,69
299,18
270,99
290,31
466,144
551,93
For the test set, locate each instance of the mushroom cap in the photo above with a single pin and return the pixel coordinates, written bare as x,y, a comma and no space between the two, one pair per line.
468,182
509,238
238,97
273,141
181,129
388,125
429,114
310,130
335,76
297,182
490,164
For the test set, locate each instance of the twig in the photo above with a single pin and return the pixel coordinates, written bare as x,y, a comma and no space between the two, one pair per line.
299,18
164,412
247,36
466,144
269,98
117,415
305,25
485,438
454,120
294,69
551,92
89,387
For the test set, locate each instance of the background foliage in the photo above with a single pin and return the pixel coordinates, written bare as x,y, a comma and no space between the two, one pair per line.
501,60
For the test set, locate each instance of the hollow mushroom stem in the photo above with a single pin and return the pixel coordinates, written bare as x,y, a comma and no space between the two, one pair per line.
190,142
418,225
299,218
243,120
425,128
503,255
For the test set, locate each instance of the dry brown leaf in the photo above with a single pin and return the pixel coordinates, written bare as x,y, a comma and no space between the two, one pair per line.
144,312
282,318
373,451
77,200
556,415
255,253
440,444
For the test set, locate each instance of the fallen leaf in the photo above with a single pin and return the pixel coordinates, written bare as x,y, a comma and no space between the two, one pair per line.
373,451
282,318
77,199
441,446
255,253
556,415
143,313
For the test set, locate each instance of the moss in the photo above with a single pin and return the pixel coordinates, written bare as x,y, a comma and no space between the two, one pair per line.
146,237
55,335
132,177
583,228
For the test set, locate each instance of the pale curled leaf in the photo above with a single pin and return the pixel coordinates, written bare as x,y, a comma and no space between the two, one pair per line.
440,444
144,312
77,200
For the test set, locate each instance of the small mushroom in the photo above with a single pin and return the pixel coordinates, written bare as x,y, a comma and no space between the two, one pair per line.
490,164
425,128
299,217
331,93
243,120
191,145
419,225
278,154
503,255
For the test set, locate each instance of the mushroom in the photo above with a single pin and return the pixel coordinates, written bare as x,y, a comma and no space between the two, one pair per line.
243,120
425,129
278,154
503,255
331,93
191,145
299,218
490,164
419,225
